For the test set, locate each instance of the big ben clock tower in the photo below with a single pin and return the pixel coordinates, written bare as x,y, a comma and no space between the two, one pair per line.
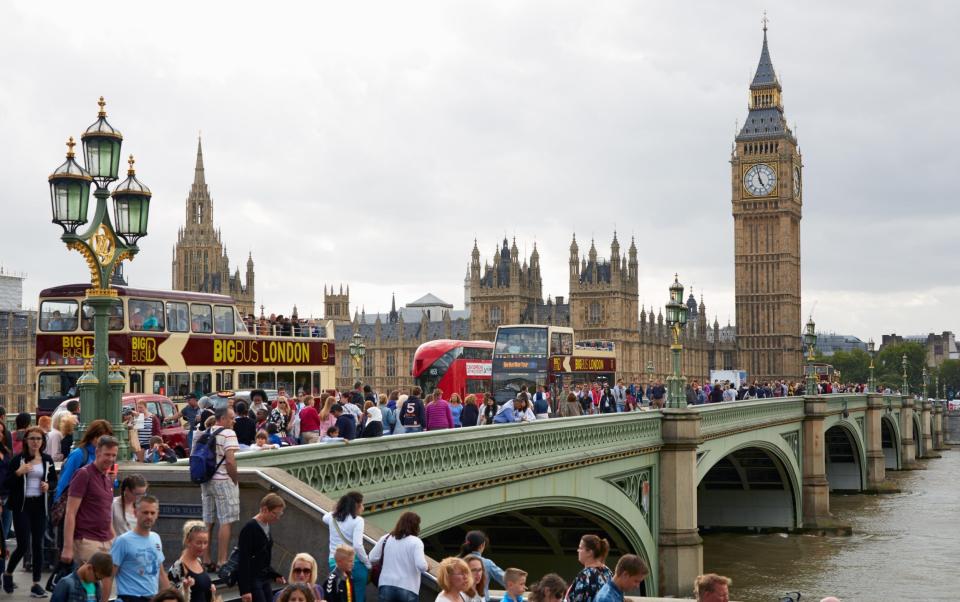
767,202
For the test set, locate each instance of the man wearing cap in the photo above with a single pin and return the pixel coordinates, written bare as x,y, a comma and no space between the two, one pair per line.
189,414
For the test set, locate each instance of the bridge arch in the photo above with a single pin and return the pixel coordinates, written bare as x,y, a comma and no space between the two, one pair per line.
753,484
918,450
538,530
845,457
890,440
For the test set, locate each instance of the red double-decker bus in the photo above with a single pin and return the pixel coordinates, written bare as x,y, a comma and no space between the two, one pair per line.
461,367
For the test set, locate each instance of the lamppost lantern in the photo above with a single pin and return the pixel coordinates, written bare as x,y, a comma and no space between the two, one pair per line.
101,147
104,246
676,318
131,206
70,192
810,340
357,351
906,384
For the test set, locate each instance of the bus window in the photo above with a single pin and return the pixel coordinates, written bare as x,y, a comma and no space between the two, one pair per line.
115,317
54,387
178,384
177,317
201,383
285,381
477,353
224,380
58,316
301,381
246,380
241,325
146,315
201,318
477,385
316,383
136,381
266,380
223,319
159,384
561,343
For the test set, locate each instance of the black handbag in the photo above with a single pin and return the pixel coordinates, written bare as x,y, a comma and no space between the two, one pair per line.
228,570
62,570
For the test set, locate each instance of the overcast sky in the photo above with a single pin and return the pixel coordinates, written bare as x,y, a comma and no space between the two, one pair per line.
370,143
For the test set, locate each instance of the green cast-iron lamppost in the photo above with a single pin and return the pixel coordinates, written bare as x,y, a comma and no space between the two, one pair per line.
676,318
104,246
810,340
872,383
906,385
357,351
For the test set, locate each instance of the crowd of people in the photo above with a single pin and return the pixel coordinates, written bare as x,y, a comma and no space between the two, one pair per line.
107,542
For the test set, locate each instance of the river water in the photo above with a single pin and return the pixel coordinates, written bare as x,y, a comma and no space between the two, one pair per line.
904,546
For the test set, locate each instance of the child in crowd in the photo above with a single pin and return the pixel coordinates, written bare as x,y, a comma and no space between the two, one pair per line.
333,435
159,452
338,587
516,584
262,441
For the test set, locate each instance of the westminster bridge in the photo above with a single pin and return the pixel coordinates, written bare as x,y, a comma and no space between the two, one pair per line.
649,481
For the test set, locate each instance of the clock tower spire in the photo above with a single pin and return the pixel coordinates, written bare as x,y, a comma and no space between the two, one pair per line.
767,208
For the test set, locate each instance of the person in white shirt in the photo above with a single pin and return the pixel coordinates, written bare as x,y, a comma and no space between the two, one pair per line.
400,554
345,525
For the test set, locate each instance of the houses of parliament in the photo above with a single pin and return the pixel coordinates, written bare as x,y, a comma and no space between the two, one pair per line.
603,291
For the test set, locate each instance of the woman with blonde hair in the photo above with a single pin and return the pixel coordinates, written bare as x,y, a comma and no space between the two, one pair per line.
303,571
453,579
187,574
327,419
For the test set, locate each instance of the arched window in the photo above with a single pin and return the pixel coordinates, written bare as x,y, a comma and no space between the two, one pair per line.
496,316
595,315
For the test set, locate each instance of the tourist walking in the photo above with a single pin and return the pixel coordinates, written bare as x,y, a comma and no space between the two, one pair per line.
475,543
711,587
87,518
345,526
84,584
84,454
591,553
629,574
31,472
373,426
220,496
608,403
187,573
476,593
412,415
388,410
550,588
453,579
138,557
438,413
470,414
255,575
456,409
489,411
541,403
570,406
340,583
304,572
123,510
401,558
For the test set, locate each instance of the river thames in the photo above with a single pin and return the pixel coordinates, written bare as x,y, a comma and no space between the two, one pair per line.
903,546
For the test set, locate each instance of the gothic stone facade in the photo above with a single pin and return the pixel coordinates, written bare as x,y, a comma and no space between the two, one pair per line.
602,305
766,171
200,262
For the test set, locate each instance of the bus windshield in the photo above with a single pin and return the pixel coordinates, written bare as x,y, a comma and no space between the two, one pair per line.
522,341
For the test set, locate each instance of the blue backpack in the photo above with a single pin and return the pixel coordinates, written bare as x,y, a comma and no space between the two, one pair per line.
203,458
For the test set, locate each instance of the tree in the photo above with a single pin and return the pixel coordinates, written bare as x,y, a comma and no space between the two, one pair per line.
854,365
890,370
950,375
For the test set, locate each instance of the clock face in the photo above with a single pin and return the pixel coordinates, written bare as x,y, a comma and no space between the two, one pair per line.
796,182
760,179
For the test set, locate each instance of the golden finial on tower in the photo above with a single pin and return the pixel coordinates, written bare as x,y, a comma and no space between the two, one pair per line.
70,145
103,110
765,20
130,170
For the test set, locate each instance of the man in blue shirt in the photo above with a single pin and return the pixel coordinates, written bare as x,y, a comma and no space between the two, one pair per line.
138,556
630,572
